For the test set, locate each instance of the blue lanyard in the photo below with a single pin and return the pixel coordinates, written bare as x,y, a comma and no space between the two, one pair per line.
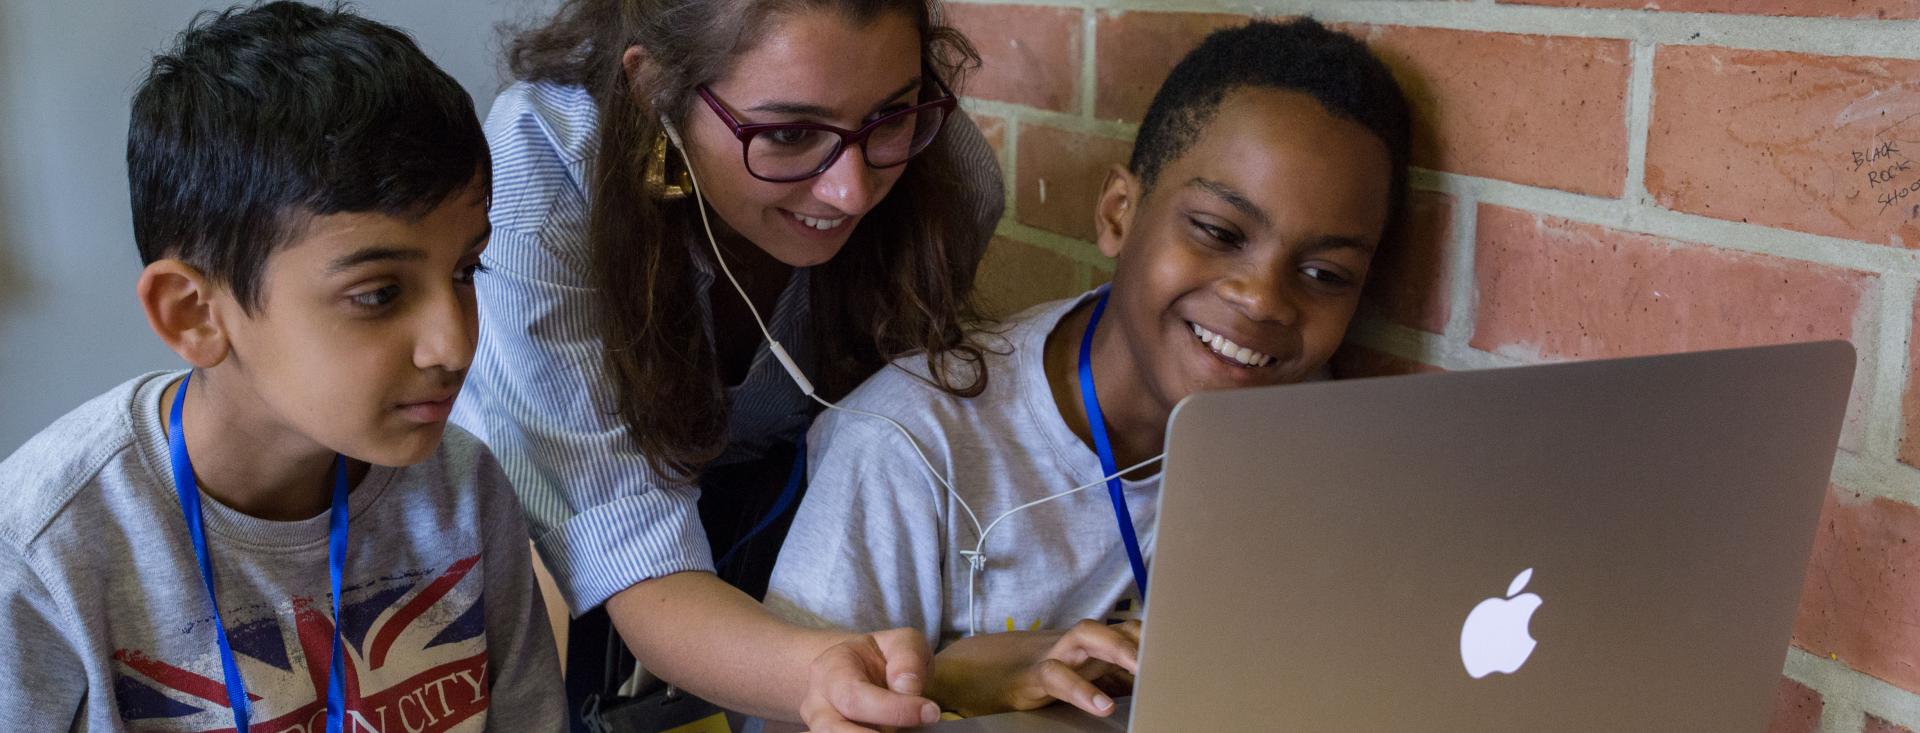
1097,424
188,488
796,480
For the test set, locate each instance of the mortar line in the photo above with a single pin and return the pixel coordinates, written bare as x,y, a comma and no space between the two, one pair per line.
1665,223
1051,118
1892,338
1463,287
1812,35
1876,479
1834,711
1417,345
1010,161
1069,247
1089,64
1640,91
1840,715
1855,690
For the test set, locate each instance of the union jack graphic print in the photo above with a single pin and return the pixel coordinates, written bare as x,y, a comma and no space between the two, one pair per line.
416,661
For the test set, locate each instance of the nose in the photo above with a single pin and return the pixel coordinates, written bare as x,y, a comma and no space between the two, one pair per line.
449,328
1263,295
849,185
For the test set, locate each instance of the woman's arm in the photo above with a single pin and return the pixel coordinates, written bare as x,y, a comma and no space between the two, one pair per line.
703,635
610,530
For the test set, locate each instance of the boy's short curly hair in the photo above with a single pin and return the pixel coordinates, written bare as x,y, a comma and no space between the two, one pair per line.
1301,56
260,117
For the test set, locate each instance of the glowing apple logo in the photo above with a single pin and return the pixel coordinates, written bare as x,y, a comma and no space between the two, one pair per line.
1495,638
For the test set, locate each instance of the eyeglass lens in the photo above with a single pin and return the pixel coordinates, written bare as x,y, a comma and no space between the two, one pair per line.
794,153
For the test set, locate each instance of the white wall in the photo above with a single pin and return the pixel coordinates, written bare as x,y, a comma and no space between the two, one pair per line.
69,328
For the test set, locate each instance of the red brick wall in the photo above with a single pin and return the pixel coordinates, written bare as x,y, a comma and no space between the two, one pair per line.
1594,178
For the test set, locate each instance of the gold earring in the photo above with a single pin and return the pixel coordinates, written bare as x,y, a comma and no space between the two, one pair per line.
657,183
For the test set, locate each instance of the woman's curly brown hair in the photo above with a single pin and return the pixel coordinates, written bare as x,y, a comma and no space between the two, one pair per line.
874,301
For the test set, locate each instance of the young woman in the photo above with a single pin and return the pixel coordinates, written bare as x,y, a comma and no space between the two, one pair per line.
619,371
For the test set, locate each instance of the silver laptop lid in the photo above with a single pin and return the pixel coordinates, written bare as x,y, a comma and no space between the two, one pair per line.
1321,546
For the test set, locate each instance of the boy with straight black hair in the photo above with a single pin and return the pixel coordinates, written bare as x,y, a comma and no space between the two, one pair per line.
287,536
1264,176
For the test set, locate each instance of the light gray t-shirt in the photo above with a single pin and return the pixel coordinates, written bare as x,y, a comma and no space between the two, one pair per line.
107,626
877,543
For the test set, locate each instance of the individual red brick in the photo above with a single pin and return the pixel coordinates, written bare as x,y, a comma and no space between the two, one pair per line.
1796,708
994,129
1061,174
1409,280
1876,725
1818,144
1804,8
1861,601
1910,440
1014,275
1030,55
1553,288
1354,361
1134,52
1545,111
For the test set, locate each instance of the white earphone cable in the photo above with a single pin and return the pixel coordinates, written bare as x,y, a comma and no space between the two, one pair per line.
976,558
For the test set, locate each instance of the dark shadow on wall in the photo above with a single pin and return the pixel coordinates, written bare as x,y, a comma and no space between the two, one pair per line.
1416,260
13,279
13,276
1426,106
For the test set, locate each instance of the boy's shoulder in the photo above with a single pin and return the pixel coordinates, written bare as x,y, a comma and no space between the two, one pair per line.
463,461
461,476
1009,353
57,465
1002,346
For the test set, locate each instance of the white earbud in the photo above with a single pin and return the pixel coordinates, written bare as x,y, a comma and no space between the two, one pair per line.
773,345
673,134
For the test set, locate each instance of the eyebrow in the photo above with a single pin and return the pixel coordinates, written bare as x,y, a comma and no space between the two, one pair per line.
376,253
1233,198
1246,206
389,253
1318,244
804,109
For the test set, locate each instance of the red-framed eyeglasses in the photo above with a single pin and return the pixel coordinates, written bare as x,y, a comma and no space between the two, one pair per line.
796,151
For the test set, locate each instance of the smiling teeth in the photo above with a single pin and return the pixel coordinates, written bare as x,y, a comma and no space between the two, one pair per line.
820,224
1229,349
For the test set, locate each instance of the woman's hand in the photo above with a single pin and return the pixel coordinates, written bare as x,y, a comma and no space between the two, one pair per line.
694,630
873,678
1020,670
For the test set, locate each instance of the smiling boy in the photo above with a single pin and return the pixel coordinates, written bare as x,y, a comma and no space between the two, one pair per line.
286,536
1263,179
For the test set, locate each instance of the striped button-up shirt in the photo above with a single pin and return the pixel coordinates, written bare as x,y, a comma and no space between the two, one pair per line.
538,393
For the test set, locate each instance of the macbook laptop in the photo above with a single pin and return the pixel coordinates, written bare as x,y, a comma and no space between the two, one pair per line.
1596,546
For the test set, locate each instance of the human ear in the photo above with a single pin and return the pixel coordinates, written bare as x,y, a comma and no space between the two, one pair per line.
179,303
1113,213
638,64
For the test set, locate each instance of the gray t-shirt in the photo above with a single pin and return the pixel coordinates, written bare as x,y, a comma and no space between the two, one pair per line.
107,626
877,542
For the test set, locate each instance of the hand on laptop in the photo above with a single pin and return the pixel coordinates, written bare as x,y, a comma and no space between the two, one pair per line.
1020,670
876,678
